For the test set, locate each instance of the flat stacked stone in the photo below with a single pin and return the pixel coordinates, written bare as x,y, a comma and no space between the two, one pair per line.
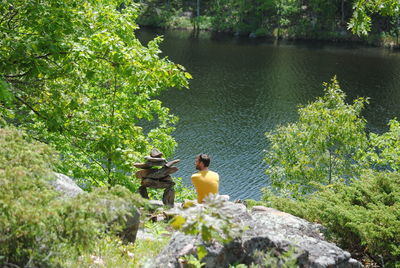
158,178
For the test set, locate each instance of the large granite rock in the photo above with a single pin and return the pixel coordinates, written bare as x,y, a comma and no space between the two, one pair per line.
65,185
129,233
267,230
69,189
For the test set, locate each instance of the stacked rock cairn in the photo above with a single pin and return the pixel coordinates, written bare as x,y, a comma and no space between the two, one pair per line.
158,178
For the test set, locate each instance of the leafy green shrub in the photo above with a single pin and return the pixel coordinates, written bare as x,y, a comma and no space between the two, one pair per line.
183,192
152,14
327,147
204,22
208,222
326,144
25,198
179,22
385,153
261,32
90,215
273,258
37,226
362,216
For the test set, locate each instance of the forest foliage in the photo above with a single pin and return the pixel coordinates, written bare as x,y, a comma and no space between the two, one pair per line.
306,19
73,74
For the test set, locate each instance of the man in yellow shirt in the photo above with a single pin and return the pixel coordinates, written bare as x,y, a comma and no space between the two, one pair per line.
205,181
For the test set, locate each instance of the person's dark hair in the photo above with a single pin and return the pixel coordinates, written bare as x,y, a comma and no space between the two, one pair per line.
205,159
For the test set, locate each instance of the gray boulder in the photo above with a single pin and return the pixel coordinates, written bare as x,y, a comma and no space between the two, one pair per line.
129,233
69,189
273,229
268,230
65,185
130,221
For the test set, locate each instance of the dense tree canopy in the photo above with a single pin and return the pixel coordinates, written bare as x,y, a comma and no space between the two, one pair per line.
361,21
315,19
73,74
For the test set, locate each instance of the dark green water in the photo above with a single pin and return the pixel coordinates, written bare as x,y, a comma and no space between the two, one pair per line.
243,88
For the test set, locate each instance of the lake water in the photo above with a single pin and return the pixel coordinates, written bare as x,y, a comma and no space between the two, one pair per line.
242,88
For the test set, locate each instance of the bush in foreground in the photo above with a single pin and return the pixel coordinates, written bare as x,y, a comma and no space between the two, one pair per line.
37,226
363,216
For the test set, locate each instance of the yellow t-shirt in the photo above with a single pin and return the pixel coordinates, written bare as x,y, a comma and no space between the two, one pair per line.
206,182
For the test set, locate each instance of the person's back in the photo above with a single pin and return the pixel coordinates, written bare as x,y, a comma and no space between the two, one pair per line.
206,182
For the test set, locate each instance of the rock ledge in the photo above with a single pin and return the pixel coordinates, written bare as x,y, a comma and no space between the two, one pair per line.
268,229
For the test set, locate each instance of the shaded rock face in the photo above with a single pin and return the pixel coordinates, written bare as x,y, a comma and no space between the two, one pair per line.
268,229
69,189
132,226
130,221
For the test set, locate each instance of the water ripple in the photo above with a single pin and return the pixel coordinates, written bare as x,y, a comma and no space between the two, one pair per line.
242,89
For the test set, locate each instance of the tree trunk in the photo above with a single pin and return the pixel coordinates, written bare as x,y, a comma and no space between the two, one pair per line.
342,21
279,20
330,167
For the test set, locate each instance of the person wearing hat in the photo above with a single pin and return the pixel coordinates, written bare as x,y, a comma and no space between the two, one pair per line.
205,181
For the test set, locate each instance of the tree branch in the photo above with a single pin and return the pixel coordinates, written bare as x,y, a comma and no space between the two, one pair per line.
12,17
50,54
17,75
30,107
67,138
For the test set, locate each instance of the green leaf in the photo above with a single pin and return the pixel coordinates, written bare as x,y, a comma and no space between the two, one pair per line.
188,75
201,252
177,222
5,94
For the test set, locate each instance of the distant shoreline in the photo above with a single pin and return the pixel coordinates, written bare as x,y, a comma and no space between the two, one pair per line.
344,36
